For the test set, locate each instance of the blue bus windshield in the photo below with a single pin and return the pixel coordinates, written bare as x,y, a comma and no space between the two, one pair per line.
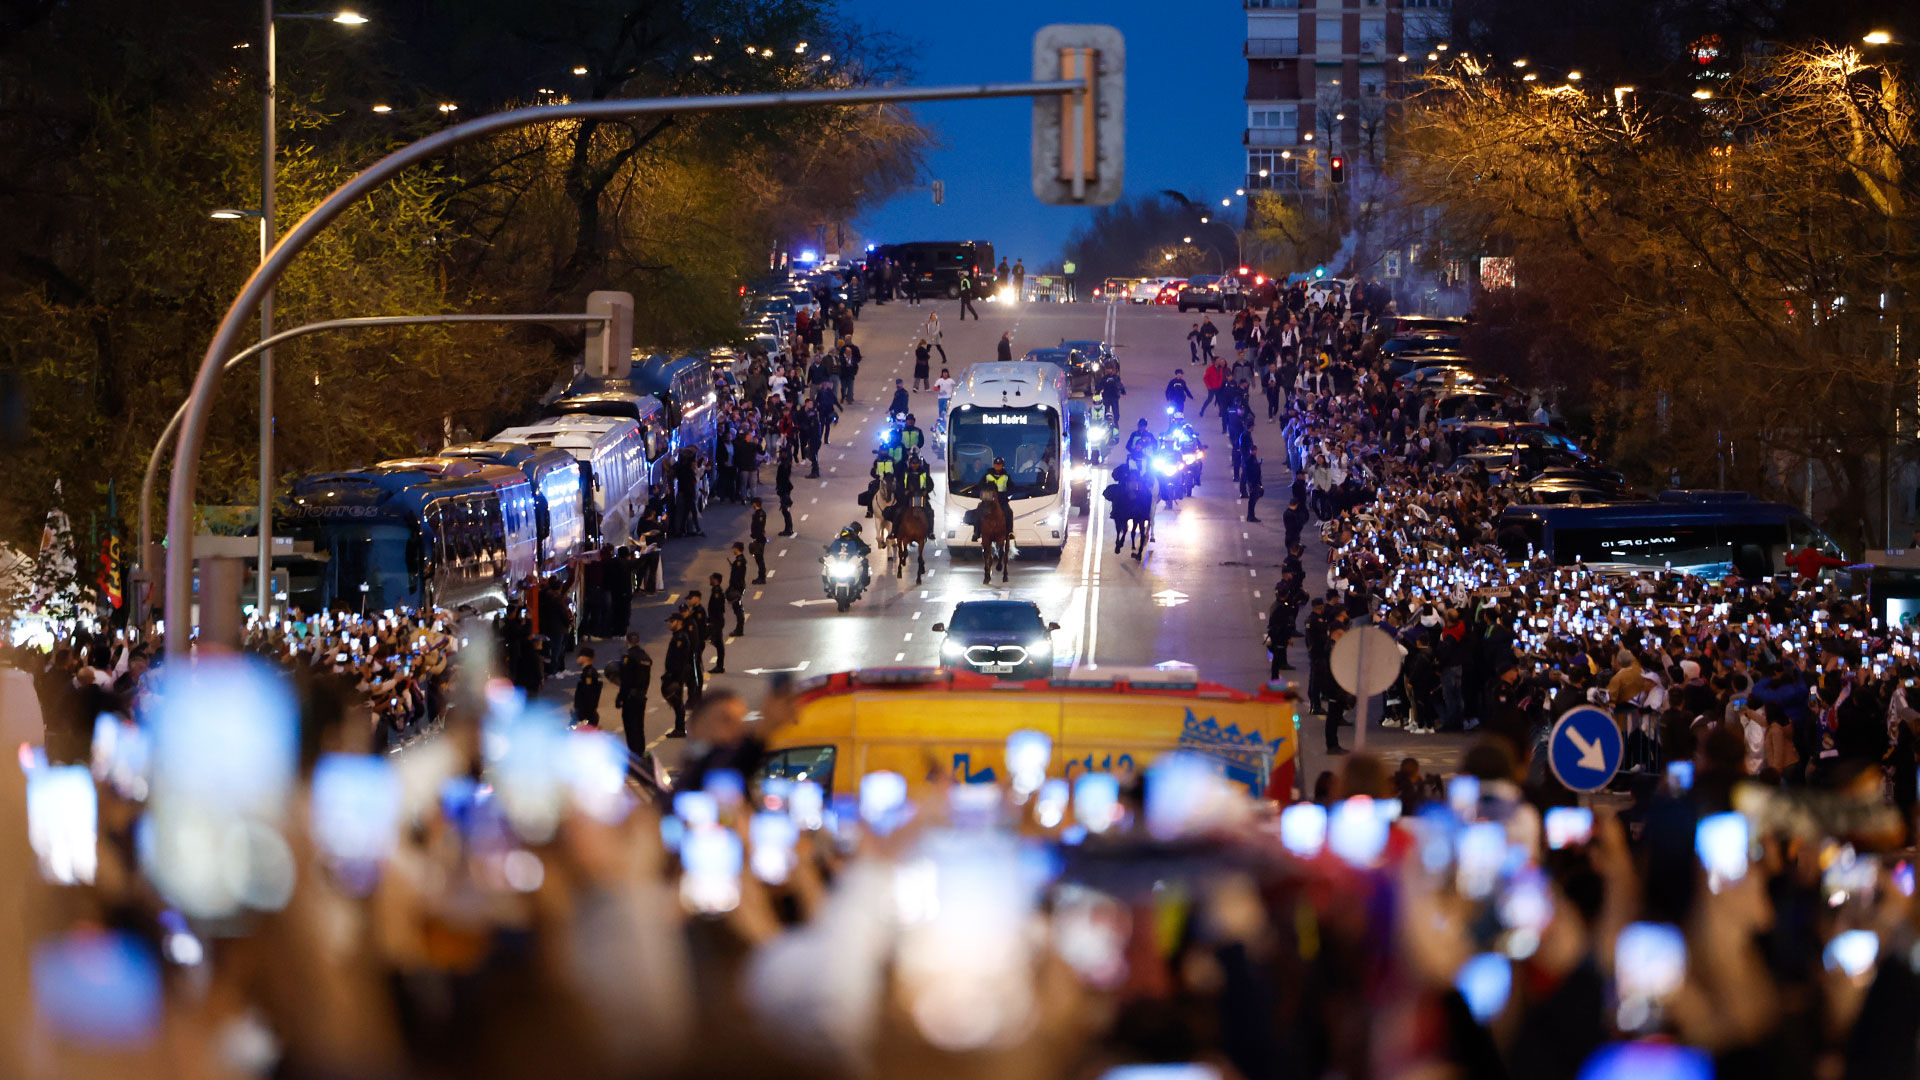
356,553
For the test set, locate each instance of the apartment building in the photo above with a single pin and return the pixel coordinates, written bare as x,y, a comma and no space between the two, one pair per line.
1320,74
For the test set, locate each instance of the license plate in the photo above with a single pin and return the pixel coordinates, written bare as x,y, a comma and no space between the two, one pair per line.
996,669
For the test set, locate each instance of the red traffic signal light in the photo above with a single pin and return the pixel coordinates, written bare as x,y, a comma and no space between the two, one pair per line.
1337,170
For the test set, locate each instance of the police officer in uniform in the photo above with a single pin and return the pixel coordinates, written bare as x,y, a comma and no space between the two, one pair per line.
882,473
918,482
911,438
993,485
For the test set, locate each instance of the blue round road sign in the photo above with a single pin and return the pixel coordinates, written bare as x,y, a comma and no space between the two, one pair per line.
1584,748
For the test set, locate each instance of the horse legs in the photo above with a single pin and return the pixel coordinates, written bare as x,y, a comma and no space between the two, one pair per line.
920,555
1006,546
898,556
986,562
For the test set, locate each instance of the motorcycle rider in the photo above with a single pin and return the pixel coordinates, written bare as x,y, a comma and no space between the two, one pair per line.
1141,443
850,545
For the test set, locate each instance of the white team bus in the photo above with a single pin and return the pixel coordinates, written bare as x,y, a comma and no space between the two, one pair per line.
614,450
1018,412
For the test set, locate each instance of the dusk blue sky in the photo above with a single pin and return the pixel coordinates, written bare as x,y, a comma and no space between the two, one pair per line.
1184,113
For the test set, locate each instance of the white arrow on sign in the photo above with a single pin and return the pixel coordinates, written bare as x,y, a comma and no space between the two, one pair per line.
1591,756
801,666
1170,598
809,603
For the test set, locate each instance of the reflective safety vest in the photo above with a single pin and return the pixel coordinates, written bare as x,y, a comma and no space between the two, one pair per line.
919,483
998,480
912,438
883,467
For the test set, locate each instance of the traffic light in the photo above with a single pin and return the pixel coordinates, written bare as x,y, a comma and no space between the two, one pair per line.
1337,170
609,351
1078,138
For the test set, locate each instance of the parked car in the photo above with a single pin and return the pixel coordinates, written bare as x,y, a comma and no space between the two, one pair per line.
1211,292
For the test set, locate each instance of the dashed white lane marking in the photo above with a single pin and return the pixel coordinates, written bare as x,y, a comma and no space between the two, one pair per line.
758,593
814,501
916,616
907,637
804,517
899,656
782,555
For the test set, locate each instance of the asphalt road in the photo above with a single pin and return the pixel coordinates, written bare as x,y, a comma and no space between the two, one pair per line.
1198,598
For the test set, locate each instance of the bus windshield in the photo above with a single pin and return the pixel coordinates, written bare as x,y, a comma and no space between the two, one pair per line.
355,553
1027,439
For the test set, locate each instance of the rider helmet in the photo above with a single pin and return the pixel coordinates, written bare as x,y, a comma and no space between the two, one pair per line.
1142,423
909,418
854,528
1000,461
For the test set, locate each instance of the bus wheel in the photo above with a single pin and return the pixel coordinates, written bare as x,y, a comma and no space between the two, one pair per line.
953,291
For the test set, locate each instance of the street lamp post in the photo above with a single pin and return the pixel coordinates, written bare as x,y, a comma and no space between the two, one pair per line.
269,155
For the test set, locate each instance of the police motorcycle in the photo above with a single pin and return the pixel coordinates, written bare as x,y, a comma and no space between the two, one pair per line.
843,569
1177,461
1103,433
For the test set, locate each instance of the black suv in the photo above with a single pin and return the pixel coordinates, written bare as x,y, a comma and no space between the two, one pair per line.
998,637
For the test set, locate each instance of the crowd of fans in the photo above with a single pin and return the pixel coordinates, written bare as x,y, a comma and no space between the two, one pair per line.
501,903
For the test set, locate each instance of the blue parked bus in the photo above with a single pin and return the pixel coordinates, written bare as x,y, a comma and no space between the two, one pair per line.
385,538
1707,533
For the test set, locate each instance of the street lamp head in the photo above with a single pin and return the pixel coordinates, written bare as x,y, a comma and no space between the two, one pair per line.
1186,239
1403,58
1204,219
1519,63
1308,137
1339,116
1877,37
826,58
449,107
1528,77
1226,202
1169,256
383,109
1285,155
581,69
225,214
1702,94
1239,191
1573,76
350,18
1442,46
1433,56
800,48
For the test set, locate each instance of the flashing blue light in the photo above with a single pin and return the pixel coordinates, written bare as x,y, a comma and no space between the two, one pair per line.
808,256
870,247
1319,272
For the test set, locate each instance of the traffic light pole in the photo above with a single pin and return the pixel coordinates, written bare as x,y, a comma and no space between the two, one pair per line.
142,572
199,404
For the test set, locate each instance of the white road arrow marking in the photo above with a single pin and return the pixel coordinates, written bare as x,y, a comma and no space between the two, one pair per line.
801,666
1170,598
1173,665
810,603
1591,756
